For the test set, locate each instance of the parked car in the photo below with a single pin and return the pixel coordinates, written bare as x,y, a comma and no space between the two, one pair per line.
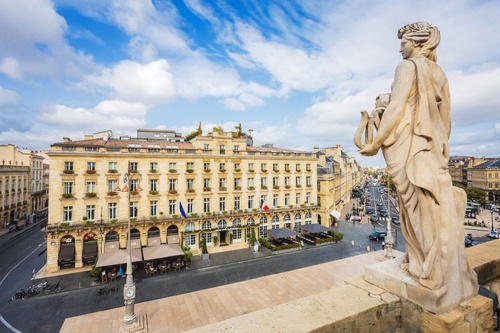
378,235
494,234
395,219
469,242
374,218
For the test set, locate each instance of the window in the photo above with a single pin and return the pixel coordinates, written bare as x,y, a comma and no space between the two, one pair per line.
263,228
297,167
134,166
287,167
206,225
297,181
275,167
190,227
275,181
90,212
207,236
206,166
222,149
153,166
172,166
190,166
263,198
308,181
236,148
297,223
250,167
190,183
251,182
171,206
68,165
206,205
263,182
153,208
222,166
190,205
91,166
263,167
250,201
153,184
297,199
222,183
91,187
112,209
68,214
275,200
133,184
237,234
237,166
287,199
308,197
112,185
308,167
134,209
206,182
113,166
172,184
222,204
68,187
237,183
275,222
190,240
287,181
236,203
206,146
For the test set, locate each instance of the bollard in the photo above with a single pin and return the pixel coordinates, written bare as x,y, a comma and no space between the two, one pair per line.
368,248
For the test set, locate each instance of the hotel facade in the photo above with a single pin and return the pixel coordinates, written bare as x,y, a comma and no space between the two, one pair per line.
175,192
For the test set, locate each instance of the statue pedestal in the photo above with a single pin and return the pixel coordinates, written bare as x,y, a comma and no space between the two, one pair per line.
423,310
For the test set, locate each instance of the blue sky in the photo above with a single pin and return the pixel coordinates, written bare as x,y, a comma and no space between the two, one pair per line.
297,73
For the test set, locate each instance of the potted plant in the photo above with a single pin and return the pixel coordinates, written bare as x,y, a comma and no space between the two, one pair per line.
204,251
216,240
188,255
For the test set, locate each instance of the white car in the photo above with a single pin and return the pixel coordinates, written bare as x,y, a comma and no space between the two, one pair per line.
494,234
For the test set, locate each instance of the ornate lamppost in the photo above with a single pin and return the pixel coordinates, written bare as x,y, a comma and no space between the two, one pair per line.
389,240
129,288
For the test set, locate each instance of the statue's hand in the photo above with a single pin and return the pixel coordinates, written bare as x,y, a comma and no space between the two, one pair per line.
369,150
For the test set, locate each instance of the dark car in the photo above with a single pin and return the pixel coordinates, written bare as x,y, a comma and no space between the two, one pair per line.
369,210
379,203
374,218
383,213
395,219
378,235
469,242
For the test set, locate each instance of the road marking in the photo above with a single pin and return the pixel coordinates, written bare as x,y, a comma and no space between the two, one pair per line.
9,326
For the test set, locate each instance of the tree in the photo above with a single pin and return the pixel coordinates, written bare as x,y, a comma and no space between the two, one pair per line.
204,249
253,239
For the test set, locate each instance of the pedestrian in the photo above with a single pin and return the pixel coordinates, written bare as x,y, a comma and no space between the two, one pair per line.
383,245
33,273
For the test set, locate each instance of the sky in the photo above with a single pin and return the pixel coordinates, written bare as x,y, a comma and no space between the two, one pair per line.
295,72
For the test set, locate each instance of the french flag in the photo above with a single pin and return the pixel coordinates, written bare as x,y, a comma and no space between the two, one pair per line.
183,212
264,205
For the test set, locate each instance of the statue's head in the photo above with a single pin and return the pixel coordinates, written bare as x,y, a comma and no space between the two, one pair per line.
423,37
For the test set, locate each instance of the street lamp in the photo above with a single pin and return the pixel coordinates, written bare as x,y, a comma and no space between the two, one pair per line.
129,288
389,240
492,229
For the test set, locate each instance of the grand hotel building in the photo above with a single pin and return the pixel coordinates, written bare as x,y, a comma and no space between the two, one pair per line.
221,181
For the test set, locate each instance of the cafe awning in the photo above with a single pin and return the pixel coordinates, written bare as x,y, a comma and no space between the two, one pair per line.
314,228
281,233
162,251
118,257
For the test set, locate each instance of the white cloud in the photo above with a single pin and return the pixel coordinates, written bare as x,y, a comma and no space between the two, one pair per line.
114,114
9,98
130,81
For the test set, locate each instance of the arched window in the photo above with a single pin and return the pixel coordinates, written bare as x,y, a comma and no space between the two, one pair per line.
286,219
275,222
153,232
190,227
298,222
173,230
308,218
112,236
263,221
250,221
206,225
237,222
222,224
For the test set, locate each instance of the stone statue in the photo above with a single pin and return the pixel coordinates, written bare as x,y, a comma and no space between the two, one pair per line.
413,126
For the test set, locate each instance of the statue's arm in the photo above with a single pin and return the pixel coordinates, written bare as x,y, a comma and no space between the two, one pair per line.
401,87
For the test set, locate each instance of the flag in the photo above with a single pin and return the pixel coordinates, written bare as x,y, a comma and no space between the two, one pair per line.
264,205
183,213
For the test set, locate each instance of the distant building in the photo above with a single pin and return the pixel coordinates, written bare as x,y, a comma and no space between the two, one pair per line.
486,176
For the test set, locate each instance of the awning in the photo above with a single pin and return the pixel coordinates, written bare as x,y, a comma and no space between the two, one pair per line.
162,251
118,257
281,233
335,213
89,249
111,246
67,252
314,228
173,239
